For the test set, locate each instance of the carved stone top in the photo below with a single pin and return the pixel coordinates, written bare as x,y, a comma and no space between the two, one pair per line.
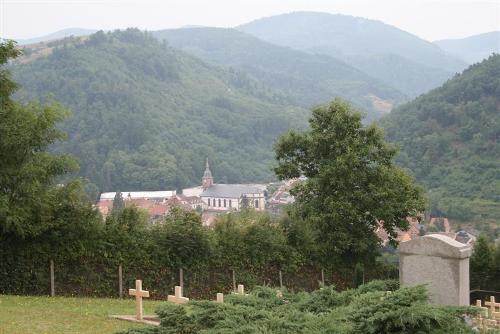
436,245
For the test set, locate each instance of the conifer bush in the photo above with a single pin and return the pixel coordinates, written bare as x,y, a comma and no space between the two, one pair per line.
376,307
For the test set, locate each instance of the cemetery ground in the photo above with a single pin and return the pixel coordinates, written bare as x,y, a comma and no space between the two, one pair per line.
71,315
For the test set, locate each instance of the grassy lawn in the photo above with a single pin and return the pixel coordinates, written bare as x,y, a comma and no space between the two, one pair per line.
45,315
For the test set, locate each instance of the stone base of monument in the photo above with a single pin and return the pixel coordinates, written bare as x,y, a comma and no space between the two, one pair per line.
147,319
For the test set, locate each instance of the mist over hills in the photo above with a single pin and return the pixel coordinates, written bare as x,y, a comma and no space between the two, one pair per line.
472,49
146,116
307,79
358,41
449,140
58,35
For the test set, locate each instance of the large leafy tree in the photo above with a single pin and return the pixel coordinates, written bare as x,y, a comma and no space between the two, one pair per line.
352,183
27,170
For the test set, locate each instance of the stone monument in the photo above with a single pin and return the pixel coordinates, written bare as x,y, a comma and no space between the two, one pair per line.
139,294
440,262
177,298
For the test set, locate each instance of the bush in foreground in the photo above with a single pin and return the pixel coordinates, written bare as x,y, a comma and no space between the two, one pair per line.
377,307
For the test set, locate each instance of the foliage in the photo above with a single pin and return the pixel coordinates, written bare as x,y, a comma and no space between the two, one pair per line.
118,203
182,241
252,240
27,170
485,265
448,139
146,116
363,310
406,311
351,185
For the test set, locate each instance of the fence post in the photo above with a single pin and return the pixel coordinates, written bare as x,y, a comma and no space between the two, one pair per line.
120,281
322,276
281,281
234,281
52,286
181,280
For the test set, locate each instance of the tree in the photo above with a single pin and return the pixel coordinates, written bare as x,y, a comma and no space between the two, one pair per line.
495,269
27,170
118,203
182,240
352,183
480,264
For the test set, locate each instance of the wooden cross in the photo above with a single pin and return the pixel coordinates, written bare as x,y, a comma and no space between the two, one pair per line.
486,318
177,298
492,311
138,293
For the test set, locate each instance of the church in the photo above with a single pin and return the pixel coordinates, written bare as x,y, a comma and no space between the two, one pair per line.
230,197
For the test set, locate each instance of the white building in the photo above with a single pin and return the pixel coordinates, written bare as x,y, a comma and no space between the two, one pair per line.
149,195
229,197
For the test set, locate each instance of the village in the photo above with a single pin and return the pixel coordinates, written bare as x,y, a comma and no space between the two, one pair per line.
249,167
212,200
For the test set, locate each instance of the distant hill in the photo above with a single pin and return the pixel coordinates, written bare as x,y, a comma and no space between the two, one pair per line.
58,35
306,78
474,48
146,116
369,45
449,140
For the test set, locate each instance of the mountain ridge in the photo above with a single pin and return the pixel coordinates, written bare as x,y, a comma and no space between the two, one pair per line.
473,48
345,37
309,79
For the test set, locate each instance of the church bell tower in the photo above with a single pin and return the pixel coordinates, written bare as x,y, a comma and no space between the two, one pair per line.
207,179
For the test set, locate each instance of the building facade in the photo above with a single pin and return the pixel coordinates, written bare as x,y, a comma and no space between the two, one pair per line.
231,197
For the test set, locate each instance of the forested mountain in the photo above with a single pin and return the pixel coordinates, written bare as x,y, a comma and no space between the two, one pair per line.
449,139
472,49
58,35
307,78
146,116
381,50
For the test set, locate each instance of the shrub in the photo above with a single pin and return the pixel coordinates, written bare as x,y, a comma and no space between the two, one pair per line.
377,307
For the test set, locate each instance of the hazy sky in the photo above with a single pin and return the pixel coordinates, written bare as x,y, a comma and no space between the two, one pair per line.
429,19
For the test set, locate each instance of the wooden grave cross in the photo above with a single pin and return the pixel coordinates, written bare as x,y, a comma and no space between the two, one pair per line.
486,318
177,298
494,308
139,294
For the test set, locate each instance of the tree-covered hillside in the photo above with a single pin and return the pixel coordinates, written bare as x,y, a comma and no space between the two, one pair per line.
308,79
449,139
145,116
358,41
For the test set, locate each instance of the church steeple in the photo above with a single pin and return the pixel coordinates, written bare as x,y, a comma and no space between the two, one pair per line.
207,179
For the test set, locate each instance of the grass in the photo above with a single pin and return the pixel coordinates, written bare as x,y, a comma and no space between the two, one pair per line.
68,315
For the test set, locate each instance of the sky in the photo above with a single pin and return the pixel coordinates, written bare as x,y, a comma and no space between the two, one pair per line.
428,19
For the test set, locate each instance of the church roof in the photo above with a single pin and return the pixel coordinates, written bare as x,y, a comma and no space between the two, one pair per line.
232,190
